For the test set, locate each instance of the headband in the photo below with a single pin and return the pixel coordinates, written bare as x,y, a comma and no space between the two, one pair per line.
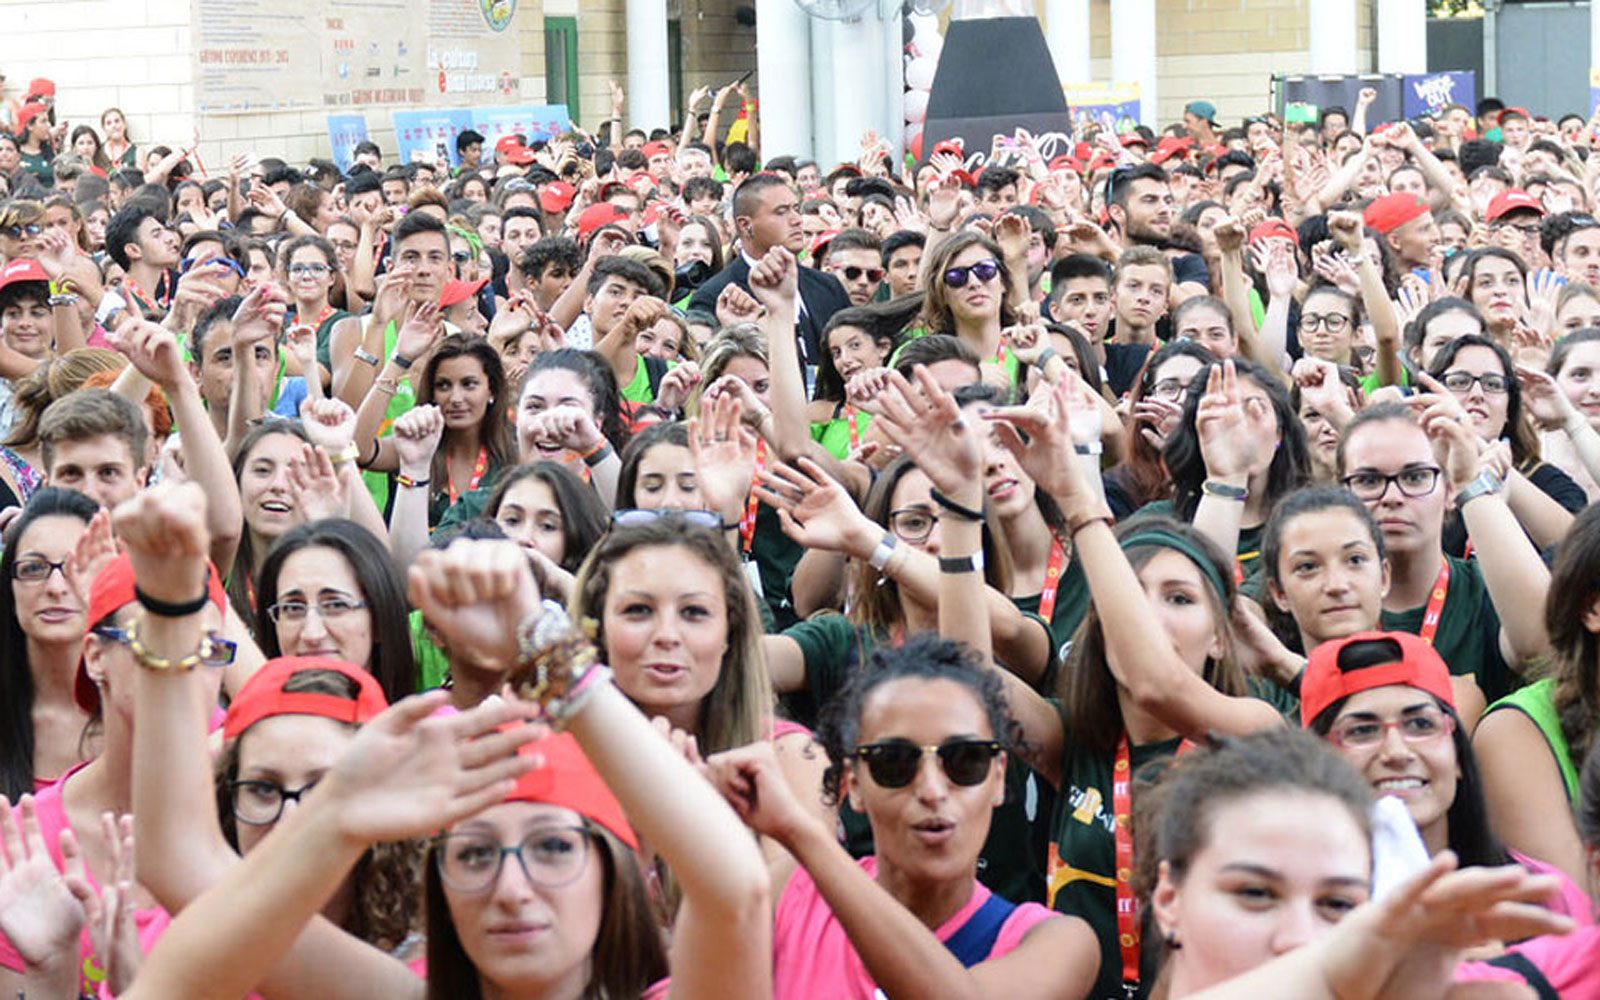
1162,538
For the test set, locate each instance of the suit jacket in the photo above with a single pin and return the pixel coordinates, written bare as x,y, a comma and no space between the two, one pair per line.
821,296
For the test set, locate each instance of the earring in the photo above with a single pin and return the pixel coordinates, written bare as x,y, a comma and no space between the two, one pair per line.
1172,942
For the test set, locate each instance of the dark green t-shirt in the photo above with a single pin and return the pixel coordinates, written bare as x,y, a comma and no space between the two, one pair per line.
1469,630
1071,606
1247,552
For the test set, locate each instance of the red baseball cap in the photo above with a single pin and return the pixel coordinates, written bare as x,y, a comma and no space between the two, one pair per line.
1274,228
113,588
1392,211
28,113
1512,200
951,146
264,696
1102,161
456,291
965,177
565,778
595,216
1133,139
22,269
822,240
557,196
41,86
657,148
1385,658
1171,146
1065,162
510,147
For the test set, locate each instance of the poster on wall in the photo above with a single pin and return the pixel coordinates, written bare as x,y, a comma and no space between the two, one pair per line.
430,136
1112,106
285,55
345,133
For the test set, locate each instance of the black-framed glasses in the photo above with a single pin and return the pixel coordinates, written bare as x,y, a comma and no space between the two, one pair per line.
894,763
1493,384
550,856
36,569
912,524
1412,481
985,270
872,274
1417,725
214,652
1331,322
19,230
1171,389
260,803
629,516
327,608
1525,228
314,268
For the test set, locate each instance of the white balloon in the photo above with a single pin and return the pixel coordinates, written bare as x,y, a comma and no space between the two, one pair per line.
927,41
916,106
919,73
912,134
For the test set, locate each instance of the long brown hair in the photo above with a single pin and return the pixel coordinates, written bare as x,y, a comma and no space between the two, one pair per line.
1088,691
1574,650
936,304
738,709
494,431
627,956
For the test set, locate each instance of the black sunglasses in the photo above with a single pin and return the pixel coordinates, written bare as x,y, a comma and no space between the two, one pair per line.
894,763
983,270
873,274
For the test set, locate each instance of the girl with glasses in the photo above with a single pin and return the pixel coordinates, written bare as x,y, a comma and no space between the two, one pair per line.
1156,405
967,293
1479,375
1330,325
310,273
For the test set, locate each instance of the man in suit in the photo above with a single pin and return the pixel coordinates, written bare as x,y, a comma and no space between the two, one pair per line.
766,214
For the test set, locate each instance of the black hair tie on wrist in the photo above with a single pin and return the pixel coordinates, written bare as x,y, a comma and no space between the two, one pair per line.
165,609
964,513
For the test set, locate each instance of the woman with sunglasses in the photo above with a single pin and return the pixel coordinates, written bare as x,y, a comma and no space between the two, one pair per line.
1480,376
571,918
966,288
103,688
310,271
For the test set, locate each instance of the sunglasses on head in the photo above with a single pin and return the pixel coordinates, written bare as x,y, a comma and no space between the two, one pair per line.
628,516
853,273
894,763
984,270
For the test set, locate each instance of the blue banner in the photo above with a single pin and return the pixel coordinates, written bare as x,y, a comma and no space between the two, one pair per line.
432,134
1429,93
345,132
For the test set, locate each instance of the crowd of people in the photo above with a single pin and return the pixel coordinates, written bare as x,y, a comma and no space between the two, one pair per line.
1166,569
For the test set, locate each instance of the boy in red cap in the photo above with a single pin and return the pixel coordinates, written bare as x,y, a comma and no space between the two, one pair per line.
1406,223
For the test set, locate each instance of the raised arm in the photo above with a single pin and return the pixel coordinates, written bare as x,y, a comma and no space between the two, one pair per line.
256,325
1233,440
1347,231
416,437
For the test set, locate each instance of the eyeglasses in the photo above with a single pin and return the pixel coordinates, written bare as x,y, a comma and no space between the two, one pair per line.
985,270
912,524
316,270
1414,481
188,263
1525,228
327,608
875,274
630,516
461,256
894,763
260,803
214,652
1420,725
1494,385
1331,322
36,570
1169,388
550,856
18,231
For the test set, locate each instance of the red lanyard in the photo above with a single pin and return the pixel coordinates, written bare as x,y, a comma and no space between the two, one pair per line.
322,317
1122,814
1435,609
1052,579
747,524
855,435
478,469
145,303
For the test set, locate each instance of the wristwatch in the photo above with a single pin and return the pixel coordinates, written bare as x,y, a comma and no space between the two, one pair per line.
1486,484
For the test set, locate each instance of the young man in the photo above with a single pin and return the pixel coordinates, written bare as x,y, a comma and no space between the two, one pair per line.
1577,253
469,147
1491,617
1140,294
142,245
1200,119
1141,209
93,441
215,352
1080,294
855,258
613,287
703,195
520,228
1041,247
901,254
1514,217
548,267
1406,223
396,185
997,189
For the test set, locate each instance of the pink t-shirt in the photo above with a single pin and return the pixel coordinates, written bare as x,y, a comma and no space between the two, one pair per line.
812,955
1570,962
150,923
1570,900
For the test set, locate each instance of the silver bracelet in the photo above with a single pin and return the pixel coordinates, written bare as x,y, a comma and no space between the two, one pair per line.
1092,448
879,560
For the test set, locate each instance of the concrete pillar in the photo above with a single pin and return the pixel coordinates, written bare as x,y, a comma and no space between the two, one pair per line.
1332,31
649,92
783,67
1067,32
1403,36
1594,38
850,84
1133,51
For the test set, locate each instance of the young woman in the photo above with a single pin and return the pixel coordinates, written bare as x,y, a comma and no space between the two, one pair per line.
548,510
1530,743
856,340
1326,397
1386,701
1156,404
696,257
65,214
570,918
1326,568
1496,282
569,411
41,620
329,589
1440,322
86,146
1205,320
1481,377
966,287
1564,400
262,469
911,919
1330,325
1577,308
120,151
310,269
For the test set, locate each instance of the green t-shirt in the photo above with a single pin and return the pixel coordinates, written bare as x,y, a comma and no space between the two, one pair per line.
1247,552
776,555
1082,854
380,484
1538,702
1468,638
638,390
433,666
834,435
1011,861
1069,609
